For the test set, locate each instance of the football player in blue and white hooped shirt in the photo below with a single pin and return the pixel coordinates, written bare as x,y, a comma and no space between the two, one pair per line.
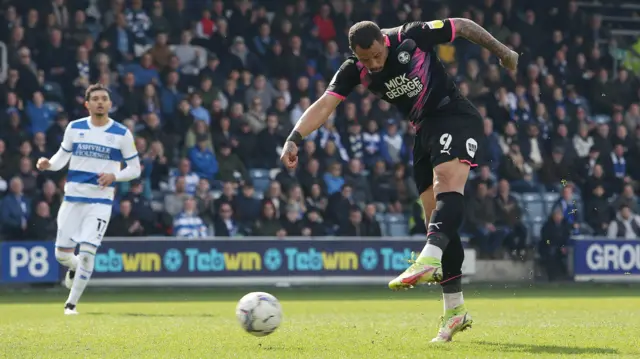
95,148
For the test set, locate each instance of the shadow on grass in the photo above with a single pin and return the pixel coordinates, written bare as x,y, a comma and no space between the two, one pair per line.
318,293
150,315
544,349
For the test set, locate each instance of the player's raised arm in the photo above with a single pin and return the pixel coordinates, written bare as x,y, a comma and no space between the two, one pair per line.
475,33
61,158
435,32
318,113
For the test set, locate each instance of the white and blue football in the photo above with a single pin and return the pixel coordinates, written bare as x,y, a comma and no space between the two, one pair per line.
259,313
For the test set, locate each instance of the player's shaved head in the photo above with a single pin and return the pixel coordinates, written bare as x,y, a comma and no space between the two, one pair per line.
368,44
363,34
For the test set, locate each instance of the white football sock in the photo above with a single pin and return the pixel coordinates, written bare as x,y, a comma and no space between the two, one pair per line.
452,300
431,251
83,274
74,263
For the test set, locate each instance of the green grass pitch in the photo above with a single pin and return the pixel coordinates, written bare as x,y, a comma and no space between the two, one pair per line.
578,321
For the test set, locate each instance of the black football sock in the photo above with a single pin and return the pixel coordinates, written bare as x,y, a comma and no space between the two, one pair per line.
444,223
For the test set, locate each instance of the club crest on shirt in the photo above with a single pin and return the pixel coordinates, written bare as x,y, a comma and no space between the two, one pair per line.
404,57
472,147
81,134
110,139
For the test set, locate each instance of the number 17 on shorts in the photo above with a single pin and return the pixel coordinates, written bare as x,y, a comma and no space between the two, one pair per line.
82,223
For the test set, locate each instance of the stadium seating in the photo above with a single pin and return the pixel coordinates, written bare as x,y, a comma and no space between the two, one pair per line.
260,178
396,225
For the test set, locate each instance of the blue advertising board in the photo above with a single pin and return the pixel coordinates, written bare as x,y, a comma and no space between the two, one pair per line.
171,261
28,262
603,259
250,257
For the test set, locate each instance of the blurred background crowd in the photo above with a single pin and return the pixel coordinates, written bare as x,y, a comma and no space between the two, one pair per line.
211,89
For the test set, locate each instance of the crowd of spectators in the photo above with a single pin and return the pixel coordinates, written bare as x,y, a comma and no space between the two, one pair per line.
211,88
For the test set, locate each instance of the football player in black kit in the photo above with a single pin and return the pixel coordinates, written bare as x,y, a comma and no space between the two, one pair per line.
400,66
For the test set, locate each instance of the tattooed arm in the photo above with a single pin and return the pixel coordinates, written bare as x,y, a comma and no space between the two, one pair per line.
476,34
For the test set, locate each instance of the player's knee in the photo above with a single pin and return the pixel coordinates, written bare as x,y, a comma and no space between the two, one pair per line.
86,256
450,177
64,256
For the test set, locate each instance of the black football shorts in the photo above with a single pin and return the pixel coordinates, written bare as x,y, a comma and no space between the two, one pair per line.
453,131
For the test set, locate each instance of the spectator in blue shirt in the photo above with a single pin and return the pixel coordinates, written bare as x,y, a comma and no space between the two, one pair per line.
567,205
248,206
263,42
372,141
493,152
333,178
184,170
312,71
40,115
14,211
203,159
121,40
170,96
197,111
144,72
187,224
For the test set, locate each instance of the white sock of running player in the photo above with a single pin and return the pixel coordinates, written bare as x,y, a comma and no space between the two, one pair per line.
431,251
83,274
452,300
67,259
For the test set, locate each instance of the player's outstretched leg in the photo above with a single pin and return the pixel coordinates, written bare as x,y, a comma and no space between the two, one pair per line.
66,257
444,223
83,273
450,178
456,317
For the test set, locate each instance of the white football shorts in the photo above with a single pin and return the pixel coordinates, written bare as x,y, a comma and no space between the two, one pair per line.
82,223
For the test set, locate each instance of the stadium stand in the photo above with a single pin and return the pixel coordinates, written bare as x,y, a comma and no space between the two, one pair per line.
211,88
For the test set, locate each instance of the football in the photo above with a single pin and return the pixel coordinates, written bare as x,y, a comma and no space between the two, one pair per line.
259,313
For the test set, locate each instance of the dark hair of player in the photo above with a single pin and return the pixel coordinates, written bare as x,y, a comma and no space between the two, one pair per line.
363,34
94,88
